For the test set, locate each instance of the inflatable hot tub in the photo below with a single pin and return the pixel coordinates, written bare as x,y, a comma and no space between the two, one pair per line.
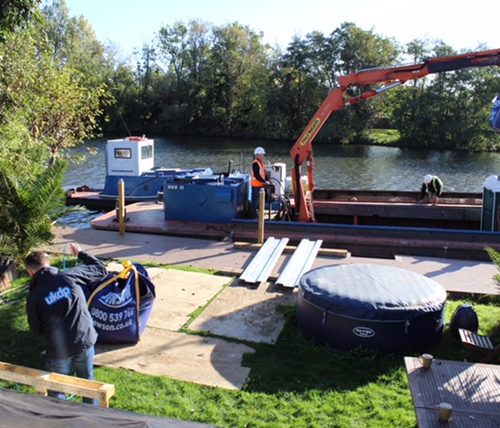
378,307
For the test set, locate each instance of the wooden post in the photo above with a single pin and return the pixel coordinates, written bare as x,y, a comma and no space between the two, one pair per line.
262,202
121,206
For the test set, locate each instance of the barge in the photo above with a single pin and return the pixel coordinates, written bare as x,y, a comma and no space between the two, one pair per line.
197,202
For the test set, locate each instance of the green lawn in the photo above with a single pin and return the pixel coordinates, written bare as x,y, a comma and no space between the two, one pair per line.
293,383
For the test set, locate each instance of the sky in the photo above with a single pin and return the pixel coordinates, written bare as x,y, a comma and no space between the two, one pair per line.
128,24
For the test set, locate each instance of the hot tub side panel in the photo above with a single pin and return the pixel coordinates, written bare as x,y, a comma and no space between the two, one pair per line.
344,332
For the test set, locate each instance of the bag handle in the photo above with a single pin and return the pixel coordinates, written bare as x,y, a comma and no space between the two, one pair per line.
138,299
124,274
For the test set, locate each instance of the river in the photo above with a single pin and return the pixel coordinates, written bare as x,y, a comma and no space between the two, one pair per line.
336,167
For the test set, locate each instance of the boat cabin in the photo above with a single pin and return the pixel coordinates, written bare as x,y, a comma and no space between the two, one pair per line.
130,156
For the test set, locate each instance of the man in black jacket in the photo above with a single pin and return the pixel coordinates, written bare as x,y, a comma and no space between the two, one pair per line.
57,310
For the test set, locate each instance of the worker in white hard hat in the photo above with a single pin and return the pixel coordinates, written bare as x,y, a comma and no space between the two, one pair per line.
432,188
259,177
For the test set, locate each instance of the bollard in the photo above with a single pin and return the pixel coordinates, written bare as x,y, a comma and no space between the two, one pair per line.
262,201
121,206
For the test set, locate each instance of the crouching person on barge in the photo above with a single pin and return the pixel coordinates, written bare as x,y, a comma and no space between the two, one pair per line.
432,189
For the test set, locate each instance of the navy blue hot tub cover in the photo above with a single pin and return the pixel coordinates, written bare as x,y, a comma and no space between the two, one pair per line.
371,292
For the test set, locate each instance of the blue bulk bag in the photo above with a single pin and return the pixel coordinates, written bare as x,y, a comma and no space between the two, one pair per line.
495,113
121,305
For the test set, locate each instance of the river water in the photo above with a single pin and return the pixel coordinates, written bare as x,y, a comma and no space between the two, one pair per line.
336,167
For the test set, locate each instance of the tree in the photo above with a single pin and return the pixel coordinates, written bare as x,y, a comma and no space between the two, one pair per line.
58,108
184,50
213,79
449,110
310,67
237,63
47,106
297,91
15,13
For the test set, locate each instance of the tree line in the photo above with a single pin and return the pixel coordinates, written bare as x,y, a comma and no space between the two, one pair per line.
224,81
199,79
60,86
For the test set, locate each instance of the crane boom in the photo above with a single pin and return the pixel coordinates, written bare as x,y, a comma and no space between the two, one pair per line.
336,100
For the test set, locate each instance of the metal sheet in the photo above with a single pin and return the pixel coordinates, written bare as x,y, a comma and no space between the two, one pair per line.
300,262
264,261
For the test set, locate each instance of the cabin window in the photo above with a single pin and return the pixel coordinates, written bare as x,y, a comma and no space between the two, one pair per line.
146,152
123,154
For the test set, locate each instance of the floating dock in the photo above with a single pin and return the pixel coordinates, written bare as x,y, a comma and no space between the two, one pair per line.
360,240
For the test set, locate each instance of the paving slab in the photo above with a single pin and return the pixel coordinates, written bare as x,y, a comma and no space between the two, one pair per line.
246,313
204,360
179,294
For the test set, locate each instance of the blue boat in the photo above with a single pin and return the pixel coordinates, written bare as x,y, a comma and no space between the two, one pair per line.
193,194
131,159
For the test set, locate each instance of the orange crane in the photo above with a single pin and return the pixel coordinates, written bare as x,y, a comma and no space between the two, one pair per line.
337,99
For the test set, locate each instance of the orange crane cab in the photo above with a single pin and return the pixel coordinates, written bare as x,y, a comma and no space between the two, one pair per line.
337,99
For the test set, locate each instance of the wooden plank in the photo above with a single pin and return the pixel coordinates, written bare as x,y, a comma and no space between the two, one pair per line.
472,390
300,262
428,418
43,381
334,252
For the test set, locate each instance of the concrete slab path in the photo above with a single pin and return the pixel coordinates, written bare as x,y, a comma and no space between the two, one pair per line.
163,351
204,360
246,313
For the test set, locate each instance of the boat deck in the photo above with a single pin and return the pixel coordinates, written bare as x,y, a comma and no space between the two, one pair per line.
89,198
146,217
456,210
382,208
399,213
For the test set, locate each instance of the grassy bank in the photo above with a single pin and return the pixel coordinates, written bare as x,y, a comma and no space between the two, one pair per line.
383,137
293,383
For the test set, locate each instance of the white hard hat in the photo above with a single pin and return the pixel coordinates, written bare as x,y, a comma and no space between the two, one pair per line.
259,151
427,178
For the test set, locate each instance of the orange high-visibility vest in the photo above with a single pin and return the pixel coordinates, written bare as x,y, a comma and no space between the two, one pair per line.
262,171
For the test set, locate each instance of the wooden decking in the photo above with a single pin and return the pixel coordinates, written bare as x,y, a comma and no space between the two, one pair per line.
472,389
